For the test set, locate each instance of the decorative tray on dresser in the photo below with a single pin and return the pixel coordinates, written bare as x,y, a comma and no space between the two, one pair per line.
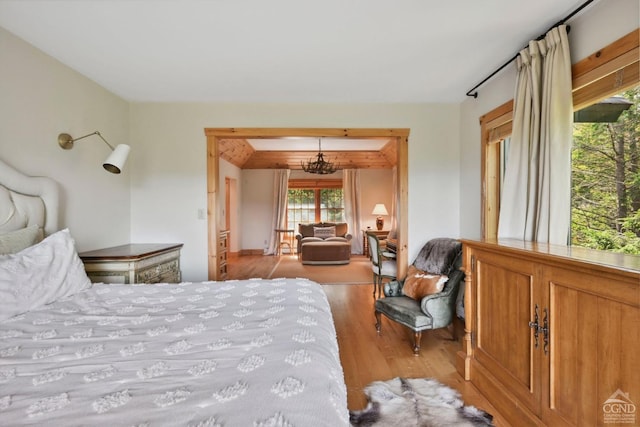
134,263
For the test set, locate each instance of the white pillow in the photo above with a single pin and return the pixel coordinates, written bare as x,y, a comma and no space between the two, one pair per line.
324,232
40,275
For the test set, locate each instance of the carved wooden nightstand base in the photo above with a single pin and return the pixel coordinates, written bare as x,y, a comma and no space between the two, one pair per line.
134,263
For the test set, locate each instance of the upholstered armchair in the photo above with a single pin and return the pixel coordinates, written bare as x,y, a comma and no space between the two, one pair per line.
383,263
426,298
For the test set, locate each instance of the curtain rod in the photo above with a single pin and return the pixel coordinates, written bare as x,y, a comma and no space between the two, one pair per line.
540,37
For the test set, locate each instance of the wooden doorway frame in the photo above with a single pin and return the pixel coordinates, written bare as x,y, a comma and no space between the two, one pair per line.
213,181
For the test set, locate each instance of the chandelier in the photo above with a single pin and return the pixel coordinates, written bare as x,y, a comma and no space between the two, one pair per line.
319,166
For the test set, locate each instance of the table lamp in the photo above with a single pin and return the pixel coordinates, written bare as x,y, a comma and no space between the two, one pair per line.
379,209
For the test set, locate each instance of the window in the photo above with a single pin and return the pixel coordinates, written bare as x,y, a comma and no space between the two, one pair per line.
612,70
496,131
301,207
314,201
605,205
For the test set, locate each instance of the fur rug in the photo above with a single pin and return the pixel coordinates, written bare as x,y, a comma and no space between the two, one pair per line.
416,403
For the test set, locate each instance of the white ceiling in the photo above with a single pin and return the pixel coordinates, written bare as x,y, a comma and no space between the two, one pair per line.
283,51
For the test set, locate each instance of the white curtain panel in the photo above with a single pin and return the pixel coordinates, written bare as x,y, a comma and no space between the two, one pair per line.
279,217
535,204
393,231
352,209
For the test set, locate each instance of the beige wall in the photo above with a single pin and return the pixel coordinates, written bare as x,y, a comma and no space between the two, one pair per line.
40,98
169,165
597,26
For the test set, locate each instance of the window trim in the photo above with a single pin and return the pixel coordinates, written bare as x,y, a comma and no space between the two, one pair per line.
315,183
606,72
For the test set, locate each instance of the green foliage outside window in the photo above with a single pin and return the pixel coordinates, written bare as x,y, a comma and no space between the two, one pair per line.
301,207
331,205
305,206
606,182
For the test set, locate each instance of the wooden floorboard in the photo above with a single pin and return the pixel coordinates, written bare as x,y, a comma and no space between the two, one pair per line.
367,356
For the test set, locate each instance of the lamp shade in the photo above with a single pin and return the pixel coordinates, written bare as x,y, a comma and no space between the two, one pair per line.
379,209
116,160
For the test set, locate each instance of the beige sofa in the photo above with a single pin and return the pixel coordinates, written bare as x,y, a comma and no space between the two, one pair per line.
324,243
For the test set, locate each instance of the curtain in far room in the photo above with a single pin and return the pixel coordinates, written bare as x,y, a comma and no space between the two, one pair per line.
535,204
352,209
393,230
279,215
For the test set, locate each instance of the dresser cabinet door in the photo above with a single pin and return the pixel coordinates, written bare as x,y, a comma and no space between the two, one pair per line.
594,350
505,343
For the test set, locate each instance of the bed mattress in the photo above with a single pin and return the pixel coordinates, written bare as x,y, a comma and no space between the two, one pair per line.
235,353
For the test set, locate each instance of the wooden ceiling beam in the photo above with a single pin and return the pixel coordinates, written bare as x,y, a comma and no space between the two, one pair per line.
239,152
246,133
293,160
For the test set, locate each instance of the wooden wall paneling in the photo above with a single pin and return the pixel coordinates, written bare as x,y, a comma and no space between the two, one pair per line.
235,151
390,151
293,159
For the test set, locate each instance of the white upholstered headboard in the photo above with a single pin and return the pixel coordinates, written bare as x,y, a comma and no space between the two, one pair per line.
27,200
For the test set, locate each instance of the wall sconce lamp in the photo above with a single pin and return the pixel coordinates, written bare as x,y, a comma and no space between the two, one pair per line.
379,209
116,160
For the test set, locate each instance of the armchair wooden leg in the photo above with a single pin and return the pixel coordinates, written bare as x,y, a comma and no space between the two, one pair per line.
375,285
416,343
378,322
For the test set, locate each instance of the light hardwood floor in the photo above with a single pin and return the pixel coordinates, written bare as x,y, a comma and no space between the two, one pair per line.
367,356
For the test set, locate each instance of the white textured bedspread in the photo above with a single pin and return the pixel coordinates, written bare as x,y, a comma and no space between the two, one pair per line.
235,353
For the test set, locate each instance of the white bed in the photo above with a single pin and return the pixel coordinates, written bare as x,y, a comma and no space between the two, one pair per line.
235,353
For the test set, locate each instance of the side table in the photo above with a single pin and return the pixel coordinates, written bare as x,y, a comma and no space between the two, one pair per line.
134,263
284,237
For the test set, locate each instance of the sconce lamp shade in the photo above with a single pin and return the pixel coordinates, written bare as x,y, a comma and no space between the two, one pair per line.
379,209
116,160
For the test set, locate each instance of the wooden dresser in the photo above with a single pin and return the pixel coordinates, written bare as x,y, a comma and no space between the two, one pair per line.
134,263
223,254
552,333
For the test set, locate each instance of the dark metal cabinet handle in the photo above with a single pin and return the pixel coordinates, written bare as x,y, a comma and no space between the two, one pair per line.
545,331
535,326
